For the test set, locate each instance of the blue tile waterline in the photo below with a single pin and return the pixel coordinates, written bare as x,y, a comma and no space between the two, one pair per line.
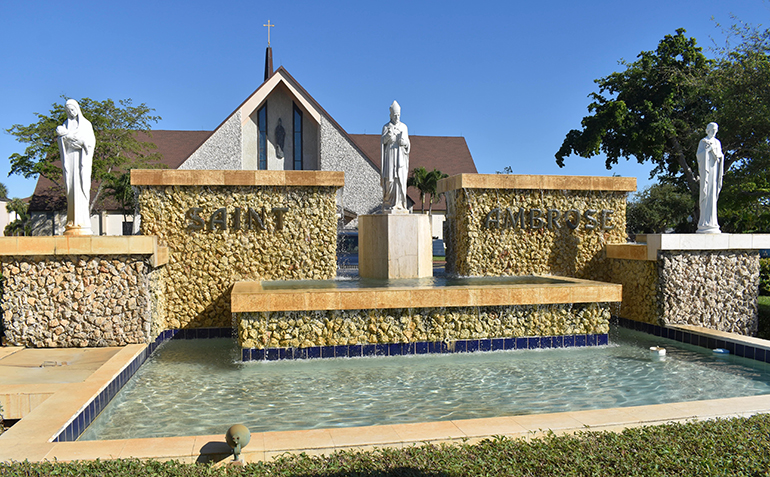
424,347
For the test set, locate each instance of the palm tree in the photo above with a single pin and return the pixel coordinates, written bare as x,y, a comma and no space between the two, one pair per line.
434,176
419,180
426,182
3,192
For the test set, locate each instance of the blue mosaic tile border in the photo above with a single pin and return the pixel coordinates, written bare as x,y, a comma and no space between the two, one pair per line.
423,347
738,349
84,419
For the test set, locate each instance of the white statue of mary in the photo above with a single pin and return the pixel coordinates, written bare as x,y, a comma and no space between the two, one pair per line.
76,143
711,170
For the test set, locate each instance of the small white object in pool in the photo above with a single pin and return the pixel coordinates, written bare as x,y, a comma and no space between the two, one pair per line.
721,351
658,350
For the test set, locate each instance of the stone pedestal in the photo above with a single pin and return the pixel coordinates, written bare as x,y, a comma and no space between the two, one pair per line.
394,246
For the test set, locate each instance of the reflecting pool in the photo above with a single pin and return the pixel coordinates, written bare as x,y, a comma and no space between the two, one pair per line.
199,387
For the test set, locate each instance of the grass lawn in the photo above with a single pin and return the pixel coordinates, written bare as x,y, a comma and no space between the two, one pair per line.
720,447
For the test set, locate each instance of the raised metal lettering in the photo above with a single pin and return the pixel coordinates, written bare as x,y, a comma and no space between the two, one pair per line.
278,214
536,220
218,218
195,221
589,216
606,219
492,220
553,218
575,213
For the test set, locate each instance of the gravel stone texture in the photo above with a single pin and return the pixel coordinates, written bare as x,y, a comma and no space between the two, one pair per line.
325,328
362,193
77,301
475,250
222,150
712,289
204,264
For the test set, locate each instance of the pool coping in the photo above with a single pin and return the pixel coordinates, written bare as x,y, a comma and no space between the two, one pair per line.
30,439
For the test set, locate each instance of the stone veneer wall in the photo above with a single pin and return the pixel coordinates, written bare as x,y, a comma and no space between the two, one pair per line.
473,249
204,264
712,289
304,329
222,150
640,288
363,195
78,300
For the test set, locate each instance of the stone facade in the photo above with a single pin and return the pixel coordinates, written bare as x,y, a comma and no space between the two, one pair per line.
222,150
297,242
502,246
304,329
640,289
78,300
362,193
712,289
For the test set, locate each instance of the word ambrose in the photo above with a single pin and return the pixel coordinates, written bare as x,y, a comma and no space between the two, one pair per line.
551,219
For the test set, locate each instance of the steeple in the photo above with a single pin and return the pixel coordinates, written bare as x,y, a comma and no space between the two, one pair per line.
268,62
268,53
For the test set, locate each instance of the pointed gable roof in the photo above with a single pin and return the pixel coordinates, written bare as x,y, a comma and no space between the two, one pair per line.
282,78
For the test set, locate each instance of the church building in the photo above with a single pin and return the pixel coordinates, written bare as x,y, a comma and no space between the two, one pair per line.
277,127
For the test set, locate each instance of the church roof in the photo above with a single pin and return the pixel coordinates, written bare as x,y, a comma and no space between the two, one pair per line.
447,154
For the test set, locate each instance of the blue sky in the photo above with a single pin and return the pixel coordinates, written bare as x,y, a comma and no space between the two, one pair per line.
510,77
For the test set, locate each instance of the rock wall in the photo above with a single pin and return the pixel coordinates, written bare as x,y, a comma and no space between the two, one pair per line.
714,289
77,301
477,246
295,243
263,330
640,289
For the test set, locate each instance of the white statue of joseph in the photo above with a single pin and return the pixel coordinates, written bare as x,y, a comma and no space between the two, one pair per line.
395,162
76,144
710,169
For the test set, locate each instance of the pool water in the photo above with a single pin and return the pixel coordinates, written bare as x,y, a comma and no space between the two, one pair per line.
199,387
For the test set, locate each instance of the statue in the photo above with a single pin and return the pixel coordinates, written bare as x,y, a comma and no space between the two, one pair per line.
76,143
395,162
711,169
280,138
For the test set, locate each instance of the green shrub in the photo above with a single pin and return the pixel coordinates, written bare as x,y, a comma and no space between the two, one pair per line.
764,276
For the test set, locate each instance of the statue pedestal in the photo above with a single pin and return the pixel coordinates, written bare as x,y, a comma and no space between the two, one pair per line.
395,246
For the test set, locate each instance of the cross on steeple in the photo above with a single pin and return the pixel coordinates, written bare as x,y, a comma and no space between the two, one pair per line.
268,25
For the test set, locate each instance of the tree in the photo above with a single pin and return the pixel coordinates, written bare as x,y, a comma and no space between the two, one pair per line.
658,208
425,182
656,110
20,225
3,192
117,147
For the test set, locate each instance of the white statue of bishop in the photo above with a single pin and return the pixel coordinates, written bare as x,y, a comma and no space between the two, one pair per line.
76,144
710,169
395,162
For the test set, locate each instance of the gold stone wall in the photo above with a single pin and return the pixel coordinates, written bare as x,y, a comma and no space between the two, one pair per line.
640,289
474,249
204,264
304,329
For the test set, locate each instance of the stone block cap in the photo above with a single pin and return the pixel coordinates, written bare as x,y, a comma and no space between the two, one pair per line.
86,245
520,181
171,177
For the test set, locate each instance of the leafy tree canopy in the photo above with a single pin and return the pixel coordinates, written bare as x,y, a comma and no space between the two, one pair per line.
117,148
20,225
660,207
657,109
